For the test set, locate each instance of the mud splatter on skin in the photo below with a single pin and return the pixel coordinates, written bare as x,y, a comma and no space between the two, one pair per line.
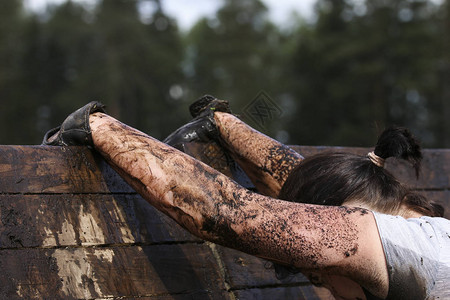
213,207
303,237
281,161
352,210
266,161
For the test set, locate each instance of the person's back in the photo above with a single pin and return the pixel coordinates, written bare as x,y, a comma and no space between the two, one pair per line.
417,257
417,254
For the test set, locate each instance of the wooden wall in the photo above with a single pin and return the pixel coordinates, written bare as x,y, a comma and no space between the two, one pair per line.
71,228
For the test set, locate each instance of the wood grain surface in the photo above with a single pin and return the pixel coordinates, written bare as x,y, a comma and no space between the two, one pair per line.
71,228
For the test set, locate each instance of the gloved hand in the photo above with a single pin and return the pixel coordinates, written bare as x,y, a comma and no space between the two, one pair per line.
75,130
203,127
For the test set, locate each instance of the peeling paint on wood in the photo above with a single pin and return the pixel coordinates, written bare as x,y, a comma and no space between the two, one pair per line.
90,273
75,220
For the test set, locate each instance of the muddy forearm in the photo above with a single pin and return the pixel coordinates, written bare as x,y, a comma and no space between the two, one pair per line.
158,172
173,182
213,207
267,162
202,200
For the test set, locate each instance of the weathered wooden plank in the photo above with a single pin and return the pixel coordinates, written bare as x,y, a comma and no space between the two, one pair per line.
200,295
244,271
46,169
186,271
435,165
287,292
58,197
434,173
312,150
84,220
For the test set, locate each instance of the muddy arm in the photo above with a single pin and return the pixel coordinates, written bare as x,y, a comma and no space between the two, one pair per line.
266,161
215,208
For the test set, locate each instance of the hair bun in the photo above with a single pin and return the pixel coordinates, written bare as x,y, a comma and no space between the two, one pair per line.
398,142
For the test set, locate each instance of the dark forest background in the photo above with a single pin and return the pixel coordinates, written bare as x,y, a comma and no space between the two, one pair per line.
338,79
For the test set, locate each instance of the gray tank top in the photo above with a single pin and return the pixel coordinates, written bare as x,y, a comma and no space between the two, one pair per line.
417,253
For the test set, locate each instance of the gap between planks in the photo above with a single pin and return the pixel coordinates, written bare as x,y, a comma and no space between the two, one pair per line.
121,245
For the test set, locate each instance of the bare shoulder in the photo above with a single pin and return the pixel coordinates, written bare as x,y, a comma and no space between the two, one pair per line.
346,243
334,240
367,266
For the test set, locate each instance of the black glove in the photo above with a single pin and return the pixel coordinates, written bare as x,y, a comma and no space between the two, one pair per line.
75,130
203,127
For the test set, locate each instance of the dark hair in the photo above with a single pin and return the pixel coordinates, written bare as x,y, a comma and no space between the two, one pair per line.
338,178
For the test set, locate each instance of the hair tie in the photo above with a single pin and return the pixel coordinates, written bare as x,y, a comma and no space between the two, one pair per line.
378,161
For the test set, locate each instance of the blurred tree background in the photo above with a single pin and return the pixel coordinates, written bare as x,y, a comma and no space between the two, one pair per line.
338,79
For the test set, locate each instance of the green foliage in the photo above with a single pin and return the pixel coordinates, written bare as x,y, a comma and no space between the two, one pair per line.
363,68
235,54
75,56
360,66
12,45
